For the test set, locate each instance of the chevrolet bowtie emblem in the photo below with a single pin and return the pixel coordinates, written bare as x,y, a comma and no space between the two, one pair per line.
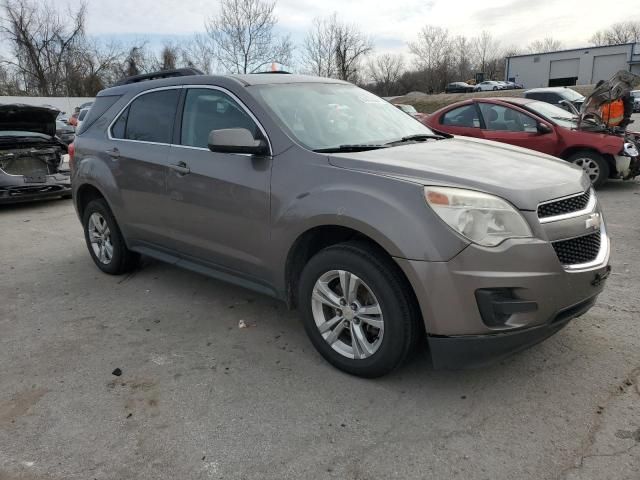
593,221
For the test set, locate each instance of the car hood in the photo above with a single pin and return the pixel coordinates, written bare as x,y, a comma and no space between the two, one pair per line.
28,118
523,177
614,89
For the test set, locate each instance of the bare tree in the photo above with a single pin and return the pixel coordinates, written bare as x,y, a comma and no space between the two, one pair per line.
487,50
351,46
169,57
41,40
385,70
431,47
242,36
618,33
463,57
547,44
319,47
198,53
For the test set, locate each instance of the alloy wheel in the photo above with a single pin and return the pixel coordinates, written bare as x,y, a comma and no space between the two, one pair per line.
590,167
347,314
100,238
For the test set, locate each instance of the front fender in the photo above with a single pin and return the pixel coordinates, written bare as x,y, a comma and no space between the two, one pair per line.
390,211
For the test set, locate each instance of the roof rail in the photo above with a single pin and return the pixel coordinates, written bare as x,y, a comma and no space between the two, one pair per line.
179,72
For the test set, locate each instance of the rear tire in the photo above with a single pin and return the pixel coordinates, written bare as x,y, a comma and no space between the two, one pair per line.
370,345
105,241
594,165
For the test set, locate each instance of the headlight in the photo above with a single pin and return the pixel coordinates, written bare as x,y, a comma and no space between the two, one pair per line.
484,219
630,150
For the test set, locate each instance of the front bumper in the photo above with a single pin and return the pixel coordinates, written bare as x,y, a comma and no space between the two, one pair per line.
529,269
16,188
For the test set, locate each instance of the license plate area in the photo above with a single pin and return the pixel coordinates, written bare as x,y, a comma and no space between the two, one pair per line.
35,178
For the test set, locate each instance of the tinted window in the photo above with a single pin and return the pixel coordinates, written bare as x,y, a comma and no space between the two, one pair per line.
101,105
83,114
117,131
466,116
497,117
205,110
150,117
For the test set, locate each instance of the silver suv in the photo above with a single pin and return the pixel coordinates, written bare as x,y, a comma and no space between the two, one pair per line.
313,191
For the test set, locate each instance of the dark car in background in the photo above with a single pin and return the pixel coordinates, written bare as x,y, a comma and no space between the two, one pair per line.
65,132
458,87
31,154
559,96
635,94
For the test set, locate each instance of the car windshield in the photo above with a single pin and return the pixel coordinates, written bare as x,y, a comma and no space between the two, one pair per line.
572,95
557,115
330,115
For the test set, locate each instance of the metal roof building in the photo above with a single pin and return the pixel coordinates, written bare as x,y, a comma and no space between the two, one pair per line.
579,66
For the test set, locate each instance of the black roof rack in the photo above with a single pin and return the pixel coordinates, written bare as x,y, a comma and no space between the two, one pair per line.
179,72
272,71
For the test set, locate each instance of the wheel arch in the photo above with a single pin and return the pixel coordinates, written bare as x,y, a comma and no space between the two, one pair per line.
318,237
568,152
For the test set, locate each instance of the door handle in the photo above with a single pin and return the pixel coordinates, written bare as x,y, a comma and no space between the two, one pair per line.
113,153
180,167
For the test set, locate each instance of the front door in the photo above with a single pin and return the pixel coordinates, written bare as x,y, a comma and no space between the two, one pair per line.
508,125
220,202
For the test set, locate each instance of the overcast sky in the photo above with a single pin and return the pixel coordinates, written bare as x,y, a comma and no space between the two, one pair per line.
391,23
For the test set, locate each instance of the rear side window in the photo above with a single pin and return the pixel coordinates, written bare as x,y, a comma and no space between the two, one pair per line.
149,118
466,116
101,105
207,109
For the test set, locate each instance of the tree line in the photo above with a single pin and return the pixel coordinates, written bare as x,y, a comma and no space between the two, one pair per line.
50,53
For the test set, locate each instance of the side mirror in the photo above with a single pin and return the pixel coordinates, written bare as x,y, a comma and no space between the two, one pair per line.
543,128
236,140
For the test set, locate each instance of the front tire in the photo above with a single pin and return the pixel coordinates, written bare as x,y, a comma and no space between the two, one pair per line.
594,165
358,310
105,241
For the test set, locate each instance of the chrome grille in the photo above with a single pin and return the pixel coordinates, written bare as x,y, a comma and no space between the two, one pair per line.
578,250
564,206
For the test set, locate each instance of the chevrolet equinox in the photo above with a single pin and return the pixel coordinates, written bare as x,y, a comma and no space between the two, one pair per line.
316,192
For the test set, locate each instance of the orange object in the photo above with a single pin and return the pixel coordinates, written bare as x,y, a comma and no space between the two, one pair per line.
613,113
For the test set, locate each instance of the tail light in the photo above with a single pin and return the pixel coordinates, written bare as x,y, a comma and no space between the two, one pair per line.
71,150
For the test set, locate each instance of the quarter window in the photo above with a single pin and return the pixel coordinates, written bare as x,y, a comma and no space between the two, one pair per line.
206,110
149,118
466,116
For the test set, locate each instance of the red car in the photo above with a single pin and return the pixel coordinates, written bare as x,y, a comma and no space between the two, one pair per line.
545,128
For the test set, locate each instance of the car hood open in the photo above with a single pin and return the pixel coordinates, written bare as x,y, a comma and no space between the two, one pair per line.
28,118
523,177
614,89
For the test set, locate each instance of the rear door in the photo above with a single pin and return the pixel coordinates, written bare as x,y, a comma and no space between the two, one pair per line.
140,139
219,210
508,125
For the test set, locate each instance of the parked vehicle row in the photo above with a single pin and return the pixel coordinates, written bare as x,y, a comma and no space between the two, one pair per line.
378,229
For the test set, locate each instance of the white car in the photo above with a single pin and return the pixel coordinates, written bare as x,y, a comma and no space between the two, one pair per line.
489,85
81,116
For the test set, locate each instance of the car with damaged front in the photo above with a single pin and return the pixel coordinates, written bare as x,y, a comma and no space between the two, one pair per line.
31,155
378,230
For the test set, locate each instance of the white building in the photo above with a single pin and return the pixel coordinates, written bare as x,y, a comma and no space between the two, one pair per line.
580,66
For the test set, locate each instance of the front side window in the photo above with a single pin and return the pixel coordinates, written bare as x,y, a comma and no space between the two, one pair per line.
499,117
330,115
466,116
149,118
207,109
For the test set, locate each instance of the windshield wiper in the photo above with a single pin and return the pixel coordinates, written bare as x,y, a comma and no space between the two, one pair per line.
416,138
350,148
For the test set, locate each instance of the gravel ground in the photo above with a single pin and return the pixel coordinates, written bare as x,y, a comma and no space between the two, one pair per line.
199,398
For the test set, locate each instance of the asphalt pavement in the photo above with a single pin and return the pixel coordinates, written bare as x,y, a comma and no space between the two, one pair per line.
197,397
